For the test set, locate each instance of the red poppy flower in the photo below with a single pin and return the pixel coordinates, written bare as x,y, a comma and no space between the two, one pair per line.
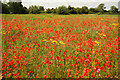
45,76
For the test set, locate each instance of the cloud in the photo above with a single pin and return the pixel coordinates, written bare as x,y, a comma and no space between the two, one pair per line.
74,4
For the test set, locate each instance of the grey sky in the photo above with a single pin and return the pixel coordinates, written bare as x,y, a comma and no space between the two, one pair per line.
74,3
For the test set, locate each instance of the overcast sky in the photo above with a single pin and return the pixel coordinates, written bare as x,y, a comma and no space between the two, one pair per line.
74,3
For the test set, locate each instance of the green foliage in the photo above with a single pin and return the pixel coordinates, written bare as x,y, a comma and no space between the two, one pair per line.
101,8
113,10
84,10
93,11
72,10
99,13
69,7
54,10
26,10
0,7
78,10
118,12
5,9
51,10
62,10
48,11
16,8
36,9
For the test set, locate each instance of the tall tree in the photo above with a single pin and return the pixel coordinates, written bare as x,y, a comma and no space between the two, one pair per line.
84,10
78,10
26,10
0,7
5,9
36,9
16,7
48,10
72,10
113,9
69,7
41,8
101,7
54,10
62,10
92,11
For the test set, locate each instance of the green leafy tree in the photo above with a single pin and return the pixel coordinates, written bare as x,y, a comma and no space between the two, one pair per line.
41,8
72,10
113,10
26,10
84,10
69,7
62,10
101,7
48,10
92,10
54,10
36,9
0,7
78,10
119,12
16,7
5,9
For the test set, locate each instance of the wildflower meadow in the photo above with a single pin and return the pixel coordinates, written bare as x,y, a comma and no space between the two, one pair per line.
60,46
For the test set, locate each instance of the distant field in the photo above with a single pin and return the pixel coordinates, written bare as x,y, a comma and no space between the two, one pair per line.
60,46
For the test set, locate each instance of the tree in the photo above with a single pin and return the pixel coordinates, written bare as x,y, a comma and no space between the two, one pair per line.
16,7
101,8
0,8
84,10
41,8
36,9
69,7
62,10
72,10
26,10
48,11
5,9
92,11
113,9
78,10
54,10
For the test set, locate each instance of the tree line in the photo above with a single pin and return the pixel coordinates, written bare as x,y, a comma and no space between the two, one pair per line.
18,8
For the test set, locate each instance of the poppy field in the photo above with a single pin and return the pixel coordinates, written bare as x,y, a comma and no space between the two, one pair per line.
60,46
